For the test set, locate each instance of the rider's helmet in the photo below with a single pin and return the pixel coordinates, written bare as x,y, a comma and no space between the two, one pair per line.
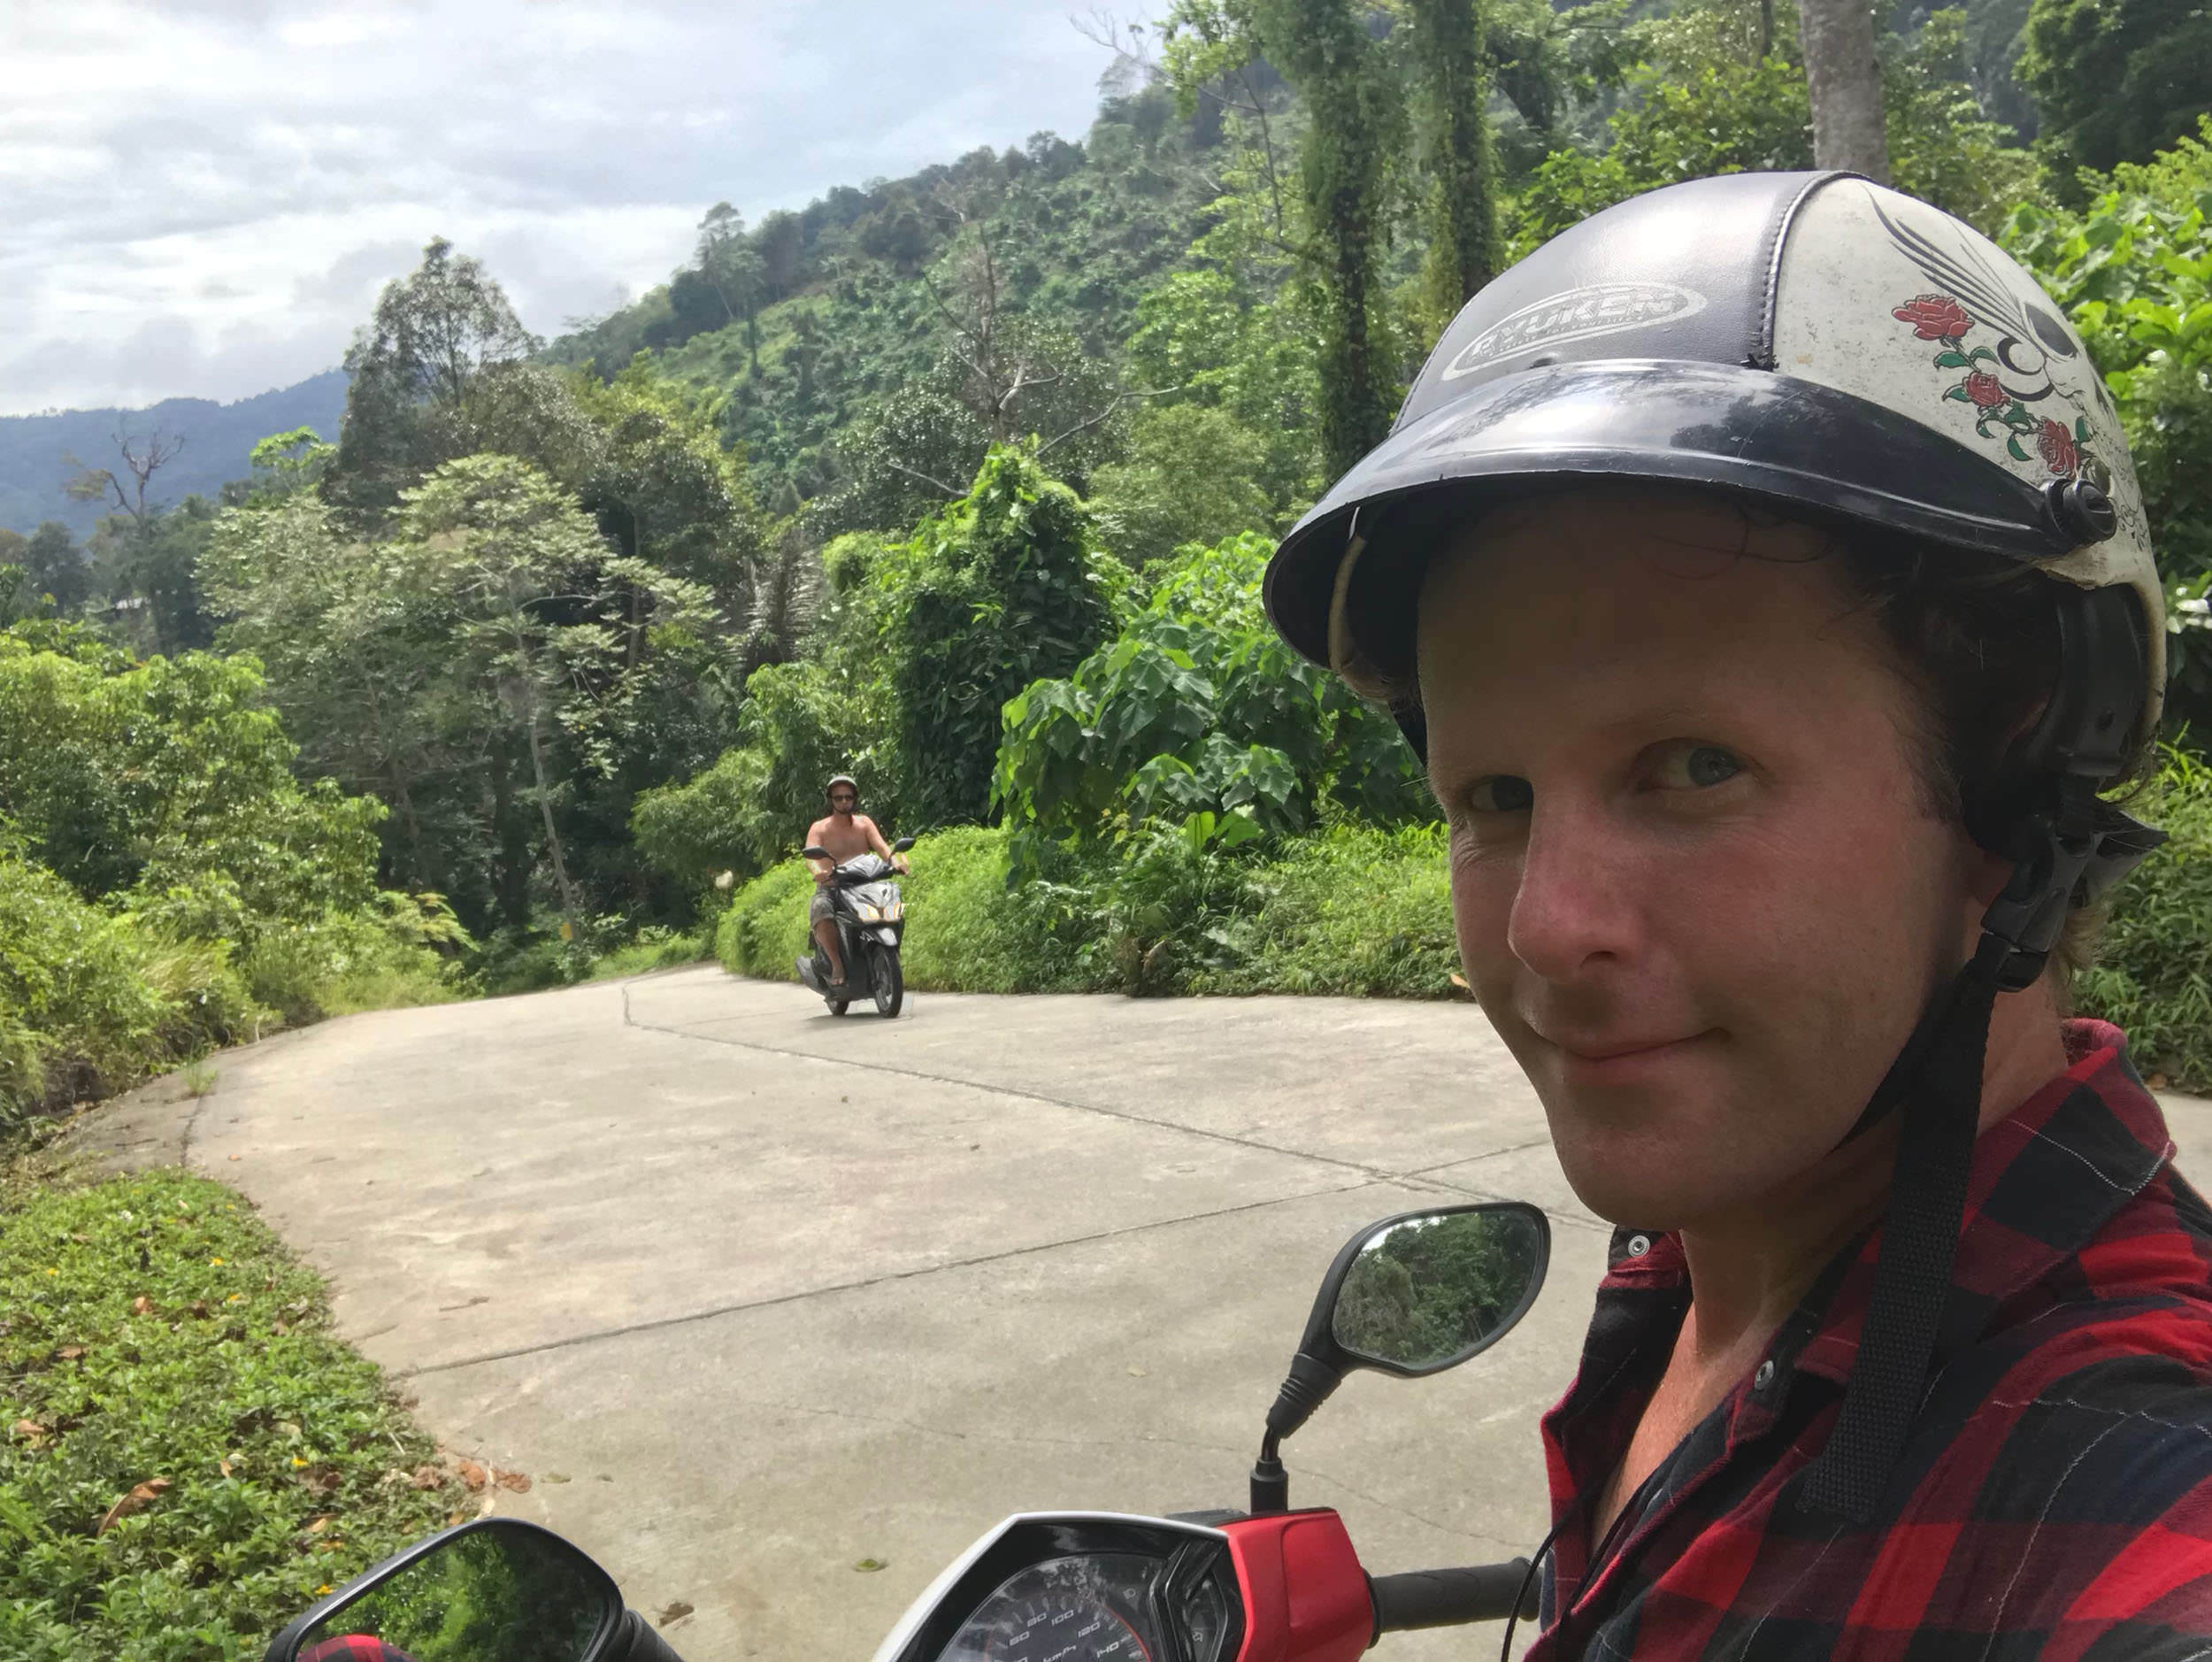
845,780
1840,353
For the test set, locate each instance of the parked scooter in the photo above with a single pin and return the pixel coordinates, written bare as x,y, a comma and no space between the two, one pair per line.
1409,1296
870,921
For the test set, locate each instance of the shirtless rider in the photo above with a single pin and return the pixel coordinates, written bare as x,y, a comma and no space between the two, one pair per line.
846,835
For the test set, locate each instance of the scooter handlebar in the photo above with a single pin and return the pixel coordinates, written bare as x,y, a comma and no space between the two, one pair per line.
1448,1598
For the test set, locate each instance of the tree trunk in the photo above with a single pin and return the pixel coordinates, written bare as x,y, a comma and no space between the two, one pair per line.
510,861
1463,211
552,836
1324,48
1844,75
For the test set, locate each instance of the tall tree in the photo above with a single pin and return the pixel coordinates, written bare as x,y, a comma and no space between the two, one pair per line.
1446,39
1324,48
55,565
420,371
735,270
1355,111
1843,73
141,457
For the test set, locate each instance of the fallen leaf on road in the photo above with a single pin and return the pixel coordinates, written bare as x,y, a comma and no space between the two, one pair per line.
144,1495
2158,1081
676,1612
514,1480
473,1475
869,1566
1135,1372
426,1477
556,1477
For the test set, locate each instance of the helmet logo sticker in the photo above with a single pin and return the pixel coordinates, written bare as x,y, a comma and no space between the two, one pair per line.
1941,319
1576,314
2005,375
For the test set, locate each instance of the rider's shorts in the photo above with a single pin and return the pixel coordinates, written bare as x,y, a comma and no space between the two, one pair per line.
819,908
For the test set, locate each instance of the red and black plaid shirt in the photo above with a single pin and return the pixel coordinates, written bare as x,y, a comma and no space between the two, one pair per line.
2054,1499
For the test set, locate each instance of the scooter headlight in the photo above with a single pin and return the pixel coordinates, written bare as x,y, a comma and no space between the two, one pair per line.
867,913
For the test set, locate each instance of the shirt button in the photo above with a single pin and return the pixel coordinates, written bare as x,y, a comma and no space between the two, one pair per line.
1638,1245
1764,1377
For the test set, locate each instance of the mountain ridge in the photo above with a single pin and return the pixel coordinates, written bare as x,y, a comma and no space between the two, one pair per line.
35,449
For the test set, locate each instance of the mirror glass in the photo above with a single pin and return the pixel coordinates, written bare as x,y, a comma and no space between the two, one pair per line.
1426,1292
490,1595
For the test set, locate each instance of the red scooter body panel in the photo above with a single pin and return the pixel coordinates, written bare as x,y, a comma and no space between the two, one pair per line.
1305,1596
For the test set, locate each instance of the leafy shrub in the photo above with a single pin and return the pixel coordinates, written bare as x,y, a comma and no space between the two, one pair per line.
1354,911
90,1003
158,1336
2154,971
1198,706
169,774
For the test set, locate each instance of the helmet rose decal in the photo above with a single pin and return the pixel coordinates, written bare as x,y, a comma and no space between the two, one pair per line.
1997,407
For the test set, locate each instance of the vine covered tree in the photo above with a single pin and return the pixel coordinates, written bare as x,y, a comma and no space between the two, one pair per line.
1447,40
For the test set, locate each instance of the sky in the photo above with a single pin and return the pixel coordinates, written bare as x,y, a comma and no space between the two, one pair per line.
203,197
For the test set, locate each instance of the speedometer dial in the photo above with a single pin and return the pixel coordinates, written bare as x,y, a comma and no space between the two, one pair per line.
1083,1609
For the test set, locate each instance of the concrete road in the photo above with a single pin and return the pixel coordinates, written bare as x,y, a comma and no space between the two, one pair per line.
762,1299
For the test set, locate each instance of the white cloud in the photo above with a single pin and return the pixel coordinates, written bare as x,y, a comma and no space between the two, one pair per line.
205,198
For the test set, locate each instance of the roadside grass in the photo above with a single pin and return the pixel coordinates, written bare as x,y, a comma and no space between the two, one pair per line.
653,949
188,1454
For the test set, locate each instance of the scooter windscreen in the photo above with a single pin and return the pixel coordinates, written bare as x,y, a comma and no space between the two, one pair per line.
1079,1586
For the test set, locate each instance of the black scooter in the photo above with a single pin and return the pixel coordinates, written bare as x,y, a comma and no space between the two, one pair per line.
1408,1296
870,921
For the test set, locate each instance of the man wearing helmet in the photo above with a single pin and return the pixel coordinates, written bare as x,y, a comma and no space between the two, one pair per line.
1760,569
844,834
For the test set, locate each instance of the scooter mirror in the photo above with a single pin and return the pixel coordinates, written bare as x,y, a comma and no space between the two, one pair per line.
902,845
1424,1293
814,852
497,1589
1409,1295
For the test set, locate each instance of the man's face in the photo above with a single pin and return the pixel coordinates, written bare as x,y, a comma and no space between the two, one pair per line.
843,801
1696,887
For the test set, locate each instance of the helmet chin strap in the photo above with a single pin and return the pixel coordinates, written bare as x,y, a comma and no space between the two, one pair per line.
2063,857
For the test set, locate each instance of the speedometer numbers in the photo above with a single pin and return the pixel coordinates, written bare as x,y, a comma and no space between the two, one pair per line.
1084,1609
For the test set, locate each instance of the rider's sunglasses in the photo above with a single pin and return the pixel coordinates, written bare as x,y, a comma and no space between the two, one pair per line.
842,795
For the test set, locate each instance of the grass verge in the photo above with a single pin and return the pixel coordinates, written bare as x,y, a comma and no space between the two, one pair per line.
188,1453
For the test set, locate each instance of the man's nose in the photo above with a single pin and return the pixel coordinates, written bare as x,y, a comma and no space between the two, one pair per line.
1571,908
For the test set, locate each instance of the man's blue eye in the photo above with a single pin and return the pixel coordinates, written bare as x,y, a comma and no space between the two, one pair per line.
1502,793
1698,767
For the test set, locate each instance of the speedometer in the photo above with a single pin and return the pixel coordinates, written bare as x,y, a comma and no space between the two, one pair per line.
1082,1609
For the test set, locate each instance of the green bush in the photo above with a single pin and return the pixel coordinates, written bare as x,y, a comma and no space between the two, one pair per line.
1352,910
159,1340
90,1002
2154,973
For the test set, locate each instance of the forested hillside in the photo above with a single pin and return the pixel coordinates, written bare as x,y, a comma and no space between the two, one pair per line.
41,454
962,483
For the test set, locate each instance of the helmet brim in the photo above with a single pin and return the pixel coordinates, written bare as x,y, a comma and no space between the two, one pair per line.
1795,446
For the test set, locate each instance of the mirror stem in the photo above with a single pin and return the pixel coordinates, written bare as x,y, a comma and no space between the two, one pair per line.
1309,1384
1271,1483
